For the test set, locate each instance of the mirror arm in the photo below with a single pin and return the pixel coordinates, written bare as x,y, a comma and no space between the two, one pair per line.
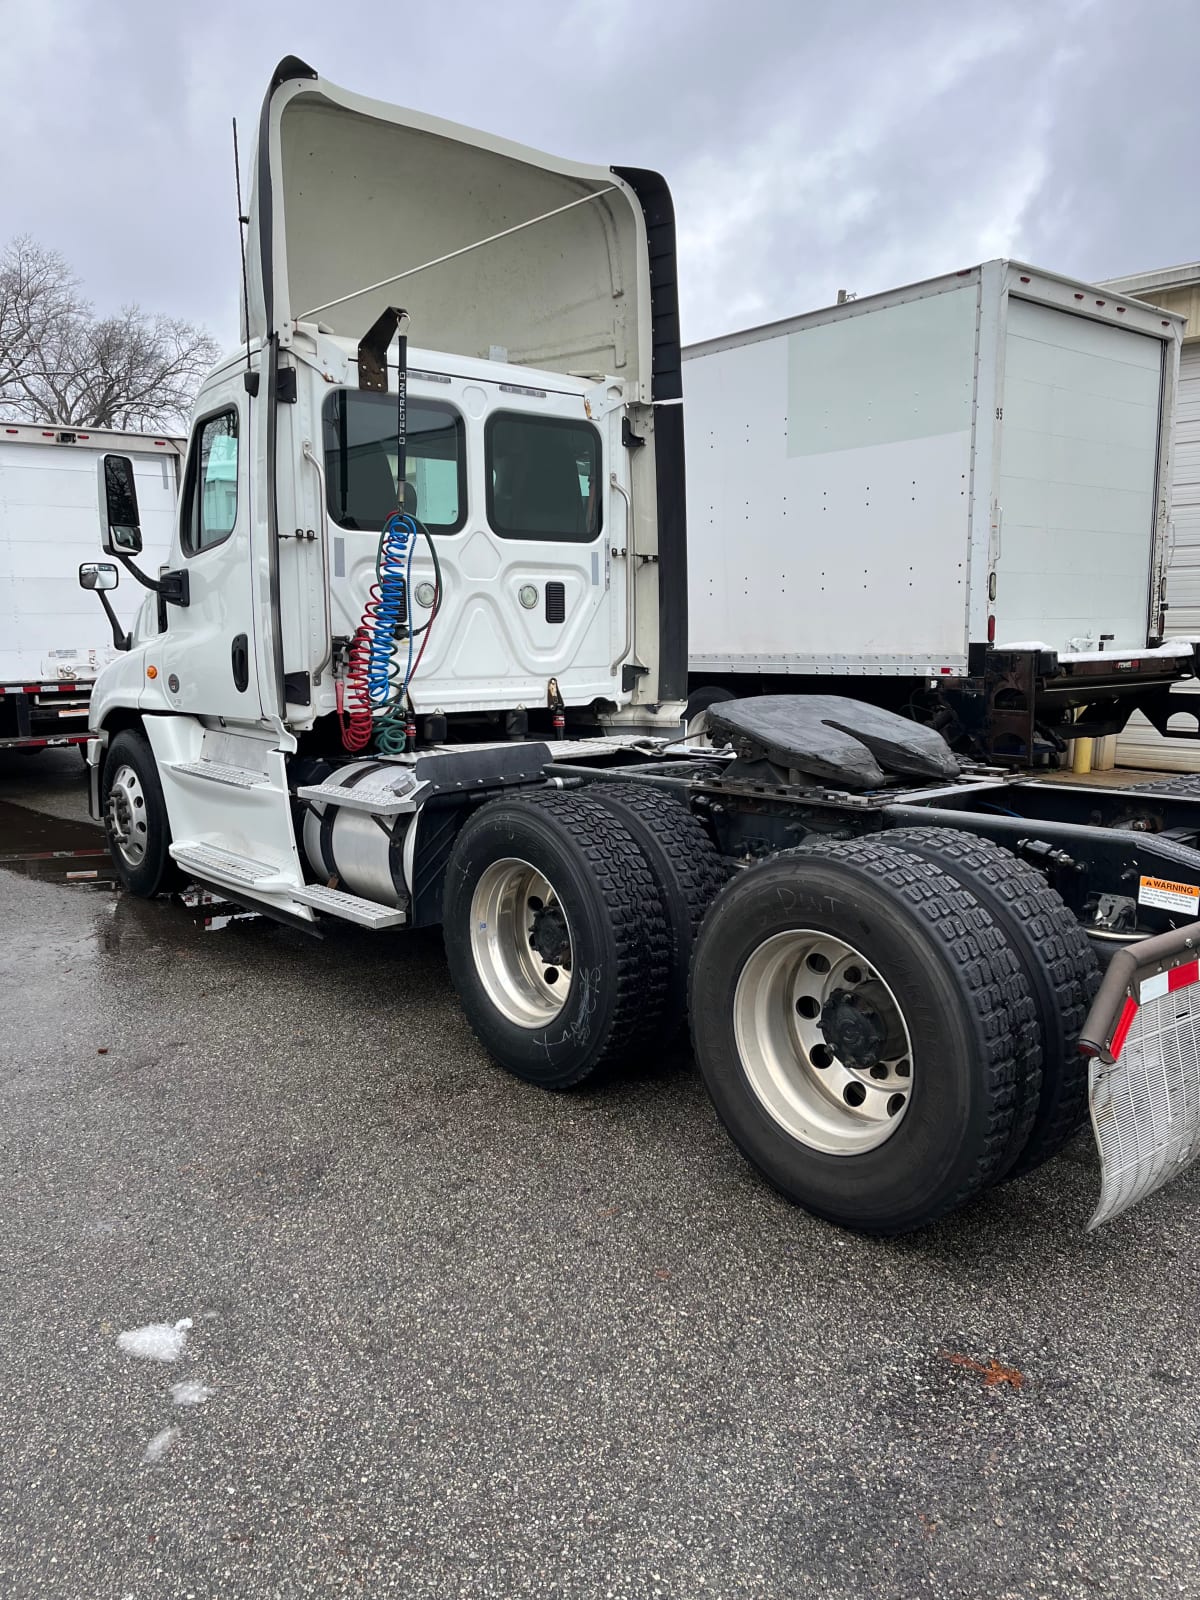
127,563
173,587
121,639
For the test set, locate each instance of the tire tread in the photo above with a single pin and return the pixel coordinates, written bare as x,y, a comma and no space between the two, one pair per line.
1069,968
992,982
628,898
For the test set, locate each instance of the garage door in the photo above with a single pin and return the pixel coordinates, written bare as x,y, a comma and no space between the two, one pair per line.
1140,745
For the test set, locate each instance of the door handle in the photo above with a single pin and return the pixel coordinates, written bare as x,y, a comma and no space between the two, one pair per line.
240,661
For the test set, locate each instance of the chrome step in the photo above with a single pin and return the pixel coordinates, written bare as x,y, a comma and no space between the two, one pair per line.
209,861
380,802
220,772
337,903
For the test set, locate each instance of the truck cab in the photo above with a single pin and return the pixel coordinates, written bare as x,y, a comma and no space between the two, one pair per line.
391,549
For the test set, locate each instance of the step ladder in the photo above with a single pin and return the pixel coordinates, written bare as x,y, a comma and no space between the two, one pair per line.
350,907
373,798
225,869
220,772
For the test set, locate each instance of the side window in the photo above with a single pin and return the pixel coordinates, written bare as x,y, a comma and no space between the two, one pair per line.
360,461
543,478
212,495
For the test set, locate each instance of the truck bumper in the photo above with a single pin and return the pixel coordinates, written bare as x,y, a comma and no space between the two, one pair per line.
1143,1037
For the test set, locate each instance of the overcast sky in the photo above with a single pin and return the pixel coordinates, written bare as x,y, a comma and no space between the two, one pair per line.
809,147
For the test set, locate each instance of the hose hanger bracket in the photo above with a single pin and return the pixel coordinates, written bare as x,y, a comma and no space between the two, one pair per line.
373,349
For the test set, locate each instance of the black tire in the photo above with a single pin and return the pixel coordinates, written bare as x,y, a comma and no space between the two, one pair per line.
688,872
708,694
156,873
1026,1025
610,899
931,943
1060,967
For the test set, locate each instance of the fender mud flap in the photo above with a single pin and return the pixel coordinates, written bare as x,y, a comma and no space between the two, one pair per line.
1143,1035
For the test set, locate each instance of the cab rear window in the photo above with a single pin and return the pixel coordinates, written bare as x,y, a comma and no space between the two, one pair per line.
543,478
360,461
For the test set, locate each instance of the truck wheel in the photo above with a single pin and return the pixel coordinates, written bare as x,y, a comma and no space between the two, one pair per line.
688,872
1059,963
555,936
135,817
850,1015
1027,1027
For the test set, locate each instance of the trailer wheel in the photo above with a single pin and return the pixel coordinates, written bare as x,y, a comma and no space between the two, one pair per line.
1059,965
135,817
688,872
555,936
851,1019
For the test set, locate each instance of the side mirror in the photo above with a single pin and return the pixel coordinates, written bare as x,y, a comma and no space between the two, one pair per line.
120,524
98,575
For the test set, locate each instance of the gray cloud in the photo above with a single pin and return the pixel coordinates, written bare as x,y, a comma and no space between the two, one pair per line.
809,147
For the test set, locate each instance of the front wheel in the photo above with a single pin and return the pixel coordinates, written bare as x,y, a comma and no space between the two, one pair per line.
135,817
853,1021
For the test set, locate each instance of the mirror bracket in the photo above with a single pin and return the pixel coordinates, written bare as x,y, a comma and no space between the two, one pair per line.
121,639
173,588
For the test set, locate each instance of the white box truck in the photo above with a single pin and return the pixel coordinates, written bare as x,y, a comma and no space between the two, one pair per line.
950,498
53,639
418,660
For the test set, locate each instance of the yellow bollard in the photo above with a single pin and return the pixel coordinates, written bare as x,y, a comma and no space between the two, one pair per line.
1081,760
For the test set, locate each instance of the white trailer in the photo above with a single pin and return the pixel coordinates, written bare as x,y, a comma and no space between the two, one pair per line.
53,638
919,487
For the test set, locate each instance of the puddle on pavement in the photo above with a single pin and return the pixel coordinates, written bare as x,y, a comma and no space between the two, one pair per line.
58,848
72,852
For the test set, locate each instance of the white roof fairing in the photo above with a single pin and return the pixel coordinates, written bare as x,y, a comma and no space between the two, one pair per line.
354,191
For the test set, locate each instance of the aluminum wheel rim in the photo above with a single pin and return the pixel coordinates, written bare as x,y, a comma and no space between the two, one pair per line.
126,815
521,943
793,991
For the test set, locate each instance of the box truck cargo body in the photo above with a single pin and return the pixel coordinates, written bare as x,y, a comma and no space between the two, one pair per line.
903,486
54,639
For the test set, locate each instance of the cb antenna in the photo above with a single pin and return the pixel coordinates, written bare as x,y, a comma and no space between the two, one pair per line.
251,378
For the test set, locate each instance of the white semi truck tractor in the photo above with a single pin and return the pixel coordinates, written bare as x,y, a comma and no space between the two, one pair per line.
418,658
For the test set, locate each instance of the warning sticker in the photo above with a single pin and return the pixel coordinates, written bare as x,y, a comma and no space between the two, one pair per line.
1168,896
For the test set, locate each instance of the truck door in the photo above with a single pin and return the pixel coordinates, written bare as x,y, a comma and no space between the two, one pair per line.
208,655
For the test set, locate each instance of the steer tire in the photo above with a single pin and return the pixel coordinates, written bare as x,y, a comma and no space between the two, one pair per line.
606,894
688,872
1060,967
155,872
956,985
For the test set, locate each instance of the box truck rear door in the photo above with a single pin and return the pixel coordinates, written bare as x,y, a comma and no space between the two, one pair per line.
1078,461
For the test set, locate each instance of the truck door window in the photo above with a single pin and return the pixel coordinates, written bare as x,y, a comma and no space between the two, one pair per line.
360,461
212,494
543,478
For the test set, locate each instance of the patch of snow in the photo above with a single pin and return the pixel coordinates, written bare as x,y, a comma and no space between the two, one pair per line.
157,1341
159,1445
190,1392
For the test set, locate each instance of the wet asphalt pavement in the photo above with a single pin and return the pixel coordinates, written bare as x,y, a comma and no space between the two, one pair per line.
468,1339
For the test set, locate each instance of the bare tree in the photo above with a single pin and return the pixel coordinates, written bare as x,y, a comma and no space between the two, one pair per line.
38,300
59,363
